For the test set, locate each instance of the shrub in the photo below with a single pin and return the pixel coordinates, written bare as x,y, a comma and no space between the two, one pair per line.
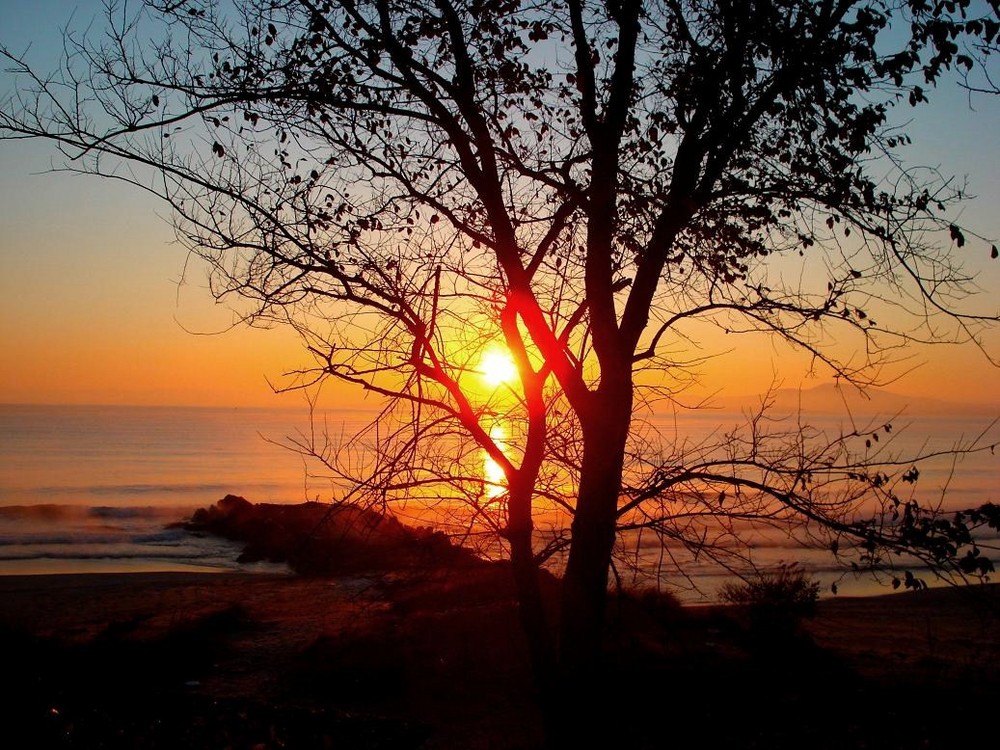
777,600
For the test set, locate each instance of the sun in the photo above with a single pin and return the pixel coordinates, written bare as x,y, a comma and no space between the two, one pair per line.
497,367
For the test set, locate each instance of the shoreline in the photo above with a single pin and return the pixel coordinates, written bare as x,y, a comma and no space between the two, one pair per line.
935,595
851,585
237,536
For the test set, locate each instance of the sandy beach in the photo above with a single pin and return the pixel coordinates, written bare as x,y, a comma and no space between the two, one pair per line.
436,660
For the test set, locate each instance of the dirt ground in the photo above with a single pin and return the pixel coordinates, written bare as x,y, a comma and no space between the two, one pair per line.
436,660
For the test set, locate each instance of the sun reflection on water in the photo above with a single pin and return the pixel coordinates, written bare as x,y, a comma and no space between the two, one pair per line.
493,474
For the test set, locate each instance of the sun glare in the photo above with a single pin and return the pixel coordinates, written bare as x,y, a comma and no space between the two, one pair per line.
497,367
496,480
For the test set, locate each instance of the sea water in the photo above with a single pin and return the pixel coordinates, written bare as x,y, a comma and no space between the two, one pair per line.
959,469
104,488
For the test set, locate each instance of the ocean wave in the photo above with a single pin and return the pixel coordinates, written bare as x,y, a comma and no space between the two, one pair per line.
100,532
41,511
60,512
40,539
78,552
131,511
167,537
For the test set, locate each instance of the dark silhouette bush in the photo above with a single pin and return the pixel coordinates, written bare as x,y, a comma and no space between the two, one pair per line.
776,600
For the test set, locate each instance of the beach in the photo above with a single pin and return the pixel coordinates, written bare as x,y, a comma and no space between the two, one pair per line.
435,659
152,624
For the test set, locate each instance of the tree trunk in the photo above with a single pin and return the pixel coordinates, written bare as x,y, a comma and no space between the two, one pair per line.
585,583
531,608
531,605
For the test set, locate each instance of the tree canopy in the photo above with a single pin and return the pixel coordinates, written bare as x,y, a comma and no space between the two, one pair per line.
409,183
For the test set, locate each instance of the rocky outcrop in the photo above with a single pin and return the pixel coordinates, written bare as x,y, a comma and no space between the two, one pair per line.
323,539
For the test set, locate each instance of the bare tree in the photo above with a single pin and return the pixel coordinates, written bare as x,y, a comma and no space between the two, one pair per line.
408,182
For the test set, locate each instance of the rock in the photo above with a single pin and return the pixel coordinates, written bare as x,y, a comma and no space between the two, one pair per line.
326,539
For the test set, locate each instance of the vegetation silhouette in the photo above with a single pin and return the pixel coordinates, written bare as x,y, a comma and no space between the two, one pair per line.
593,184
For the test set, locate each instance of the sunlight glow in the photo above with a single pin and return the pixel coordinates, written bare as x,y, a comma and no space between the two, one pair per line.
497,367
496,480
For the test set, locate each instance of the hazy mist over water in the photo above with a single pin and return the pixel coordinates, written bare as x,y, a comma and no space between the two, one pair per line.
96,488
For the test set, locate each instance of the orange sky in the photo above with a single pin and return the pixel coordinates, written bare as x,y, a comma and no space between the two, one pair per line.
91,310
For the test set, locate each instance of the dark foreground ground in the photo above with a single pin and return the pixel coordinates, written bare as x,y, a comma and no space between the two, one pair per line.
436,661
405,642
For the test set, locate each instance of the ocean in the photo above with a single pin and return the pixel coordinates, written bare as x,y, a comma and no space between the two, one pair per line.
104,488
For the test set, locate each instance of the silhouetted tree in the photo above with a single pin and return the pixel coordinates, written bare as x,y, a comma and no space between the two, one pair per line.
408,181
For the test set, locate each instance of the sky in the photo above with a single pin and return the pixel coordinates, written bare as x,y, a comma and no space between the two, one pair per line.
97,304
